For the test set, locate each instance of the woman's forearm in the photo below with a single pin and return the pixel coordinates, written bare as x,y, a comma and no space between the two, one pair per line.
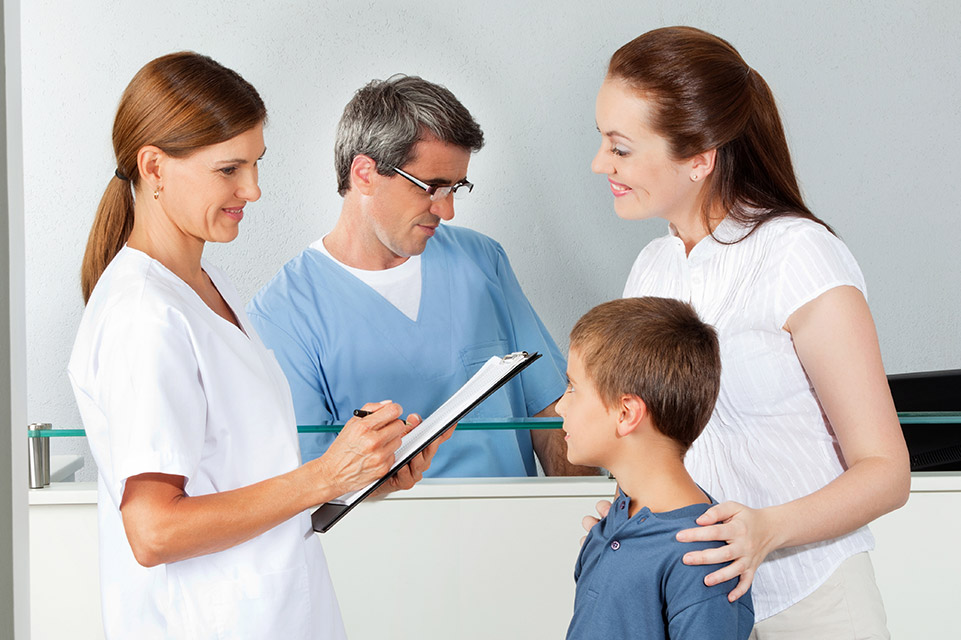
163,524
871,488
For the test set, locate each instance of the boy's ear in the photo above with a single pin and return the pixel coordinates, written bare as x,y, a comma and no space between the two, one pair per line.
632,411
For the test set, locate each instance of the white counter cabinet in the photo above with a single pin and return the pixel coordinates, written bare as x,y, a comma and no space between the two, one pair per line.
485,559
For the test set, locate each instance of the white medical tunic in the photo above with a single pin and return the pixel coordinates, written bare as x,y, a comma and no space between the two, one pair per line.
165,385
768,442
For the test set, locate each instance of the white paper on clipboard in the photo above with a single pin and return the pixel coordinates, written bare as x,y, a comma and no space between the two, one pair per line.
486,380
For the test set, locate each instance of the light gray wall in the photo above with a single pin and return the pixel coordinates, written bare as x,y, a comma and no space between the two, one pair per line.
869,92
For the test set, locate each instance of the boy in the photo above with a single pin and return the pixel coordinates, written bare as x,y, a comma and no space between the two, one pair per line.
643,376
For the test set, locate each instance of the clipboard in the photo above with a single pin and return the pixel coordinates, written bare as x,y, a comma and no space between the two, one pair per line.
495,373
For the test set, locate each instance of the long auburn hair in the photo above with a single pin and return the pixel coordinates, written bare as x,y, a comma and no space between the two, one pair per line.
179,103
703,95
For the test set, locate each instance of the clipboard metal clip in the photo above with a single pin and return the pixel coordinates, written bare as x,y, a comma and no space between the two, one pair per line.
514,357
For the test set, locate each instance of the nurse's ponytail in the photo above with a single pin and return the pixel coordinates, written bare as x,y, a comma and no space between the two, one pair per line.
178,103
110,231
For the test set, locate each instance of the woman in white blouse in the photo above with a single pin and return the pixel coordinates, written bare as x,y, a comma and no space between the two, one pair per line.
202,501
804,443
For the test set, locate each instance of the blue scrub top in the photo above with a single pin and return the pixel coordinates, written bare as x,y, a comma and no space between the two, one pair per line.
341,345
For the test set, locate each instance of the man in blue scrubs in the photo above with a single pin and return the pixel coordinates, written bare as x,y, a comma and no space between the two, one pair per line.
393,304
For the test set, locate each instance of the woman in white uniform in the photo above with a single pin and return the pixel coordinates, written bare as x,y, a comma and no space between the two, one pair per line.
804,442
203,507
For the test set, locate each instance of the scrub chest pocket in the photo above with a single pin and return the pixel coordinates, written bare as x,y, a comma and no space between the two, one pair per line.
498,405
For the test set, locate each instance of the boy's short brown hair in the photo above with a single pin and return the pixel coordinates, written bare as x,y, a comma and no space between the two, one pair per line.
659,350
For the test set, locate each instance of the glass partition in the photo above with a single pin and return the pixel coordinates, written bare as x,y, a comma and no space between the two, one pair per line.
905,417
933,438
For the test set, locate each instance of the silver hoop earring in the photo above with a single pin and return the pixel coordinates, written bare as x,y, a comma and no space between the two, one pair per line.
156,194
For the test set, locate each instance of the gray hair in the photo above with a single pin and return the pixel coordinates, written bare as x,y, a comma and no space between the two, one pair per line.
386,118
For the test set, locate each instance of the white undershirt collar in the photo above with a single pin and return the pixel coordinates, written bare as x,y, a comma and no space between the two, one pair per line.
400,285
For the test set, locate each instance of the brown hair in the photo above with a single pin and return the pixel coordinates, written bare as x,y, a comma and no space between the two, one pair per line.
704,96
179,103
659,350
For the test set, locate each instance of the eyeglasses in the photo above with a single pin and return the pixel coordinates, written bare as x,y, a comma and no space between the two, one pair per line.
435,192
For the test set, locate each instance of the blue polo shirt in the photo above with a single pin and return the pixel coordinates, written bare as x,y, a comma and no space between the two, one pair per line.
631,582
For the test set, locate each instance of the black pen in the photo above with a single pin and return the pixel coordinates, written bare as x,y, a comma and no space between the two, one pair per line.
360,413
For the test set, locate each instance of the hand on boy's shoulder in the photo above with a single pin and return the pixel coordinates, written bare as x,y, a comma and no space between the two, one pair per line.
749,536
695,610
603,507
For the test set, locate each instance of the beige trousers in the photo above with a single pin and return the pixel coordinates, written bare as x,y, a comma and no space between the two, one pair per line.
846,607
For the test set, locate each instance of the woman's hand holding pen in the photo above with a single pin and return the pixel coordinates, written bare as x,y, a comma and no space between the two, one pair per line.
364,450
412,473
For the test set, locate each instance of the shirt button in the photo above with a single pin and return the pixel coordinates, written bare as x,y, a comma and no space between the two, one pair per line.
615,545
